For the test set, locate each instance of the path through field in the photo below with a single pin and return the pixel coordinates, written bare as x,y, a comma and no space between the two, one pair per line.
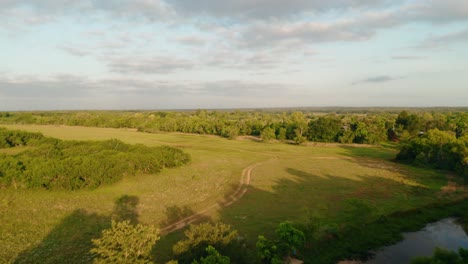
234,197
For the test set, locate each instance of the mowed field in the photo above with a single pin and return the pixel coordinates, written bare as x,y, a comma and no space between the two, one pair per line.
287,182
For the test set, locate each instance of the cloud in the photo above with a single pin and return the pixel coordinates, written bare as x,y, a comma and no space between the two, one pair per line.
267,9
444,40
377,79
35,12
75,51
191,40
352,26
153,65
407,57
78,92
264,34
58,86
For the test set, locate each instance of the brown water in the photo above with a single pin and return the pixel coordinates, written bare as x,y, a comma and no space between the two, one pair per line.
445,233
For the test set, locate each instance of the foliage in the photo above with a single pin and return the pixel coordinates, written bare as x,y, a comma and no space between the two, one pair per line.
125,243
290,238
443,256
56,164
16,138
213,257
200,236
267,251
268,134
325,128
438,149
346,126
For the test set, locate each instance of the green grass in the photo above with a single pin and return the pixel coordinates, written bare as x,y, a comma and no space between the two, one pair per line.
294,183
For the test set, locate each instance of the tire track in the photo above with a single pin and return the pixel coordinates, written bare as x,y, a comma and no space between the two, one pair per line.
234,197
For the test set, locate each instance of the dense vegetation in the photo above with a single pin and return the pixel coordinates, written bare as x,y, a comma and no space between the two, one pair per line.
300,126
442,256
438,149
55,164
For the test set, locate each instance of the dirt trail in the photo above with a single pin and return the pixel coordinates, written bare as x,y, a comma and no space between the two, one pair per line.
234,197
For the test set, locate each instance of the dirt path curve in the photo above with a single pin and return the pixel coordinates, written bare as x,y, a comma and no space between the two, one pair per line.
232,198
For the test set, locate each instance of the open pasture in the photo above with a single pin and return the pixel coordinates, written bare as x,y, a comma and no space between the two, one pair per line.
332,183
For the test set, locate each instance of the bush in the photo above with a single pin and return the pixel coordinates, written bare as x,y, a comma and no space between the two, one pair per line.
213,257
443,256
72,165
199,237
125,243
438,149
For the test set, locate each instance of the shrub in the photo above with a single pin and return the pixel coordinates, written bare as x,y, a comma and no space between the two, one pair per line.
125,243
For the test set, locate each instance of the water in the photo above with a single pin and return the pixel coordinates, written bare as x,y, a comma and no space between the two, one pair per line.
445,233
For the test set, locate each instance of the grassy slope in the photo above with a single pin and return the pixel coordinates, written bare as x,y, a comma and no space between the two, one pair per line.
295,183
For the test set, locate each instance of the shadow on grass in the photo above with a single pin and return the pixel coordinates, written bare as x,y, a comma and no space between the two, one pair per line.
125,209
340,204
174,214
383,158
70,241
382,152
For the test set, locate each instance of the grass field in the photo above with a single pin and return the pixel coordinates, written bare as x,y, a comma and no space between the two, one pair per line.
292,183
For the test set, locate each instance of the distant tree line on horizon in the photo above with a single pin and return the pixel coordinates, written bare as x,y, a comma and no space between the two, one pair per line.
299,126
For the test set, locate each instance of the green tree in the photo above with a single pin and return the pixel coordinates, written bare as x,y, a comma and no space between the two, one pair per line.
125,243
281,133
325,128
267,251
268,134
290,238
198,237
213,257
443,256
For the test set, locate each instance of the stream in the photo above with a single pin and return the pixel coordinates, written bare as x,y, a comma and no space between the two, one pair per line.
445,233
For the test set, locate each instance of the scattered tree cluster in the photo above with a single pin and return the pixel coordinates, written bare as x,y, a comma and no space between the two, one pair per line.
55,164
438,149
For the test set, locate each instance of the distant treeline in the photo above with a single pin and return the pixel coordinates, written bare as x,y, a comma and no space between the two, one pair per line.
415,130
55,164
300,126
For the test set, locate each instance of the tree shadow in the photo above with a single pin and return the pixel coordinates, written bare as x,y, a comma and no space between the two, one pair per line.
125,209
338,203
381,158
70,241
175,213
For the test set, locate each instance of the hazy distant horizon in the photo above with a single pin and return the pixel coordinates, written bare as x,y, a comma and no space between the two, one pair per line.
235,54
285,108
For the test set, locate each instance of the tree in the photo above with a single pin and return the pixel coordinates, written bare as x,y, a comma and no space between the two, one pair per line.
325,128
267,134
198,237
298,124
290,238
443,256
125,243
281,133
267,251
213,257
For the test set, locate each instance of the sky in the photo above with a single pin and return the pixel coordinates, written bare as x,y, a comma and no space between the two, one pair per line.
205,54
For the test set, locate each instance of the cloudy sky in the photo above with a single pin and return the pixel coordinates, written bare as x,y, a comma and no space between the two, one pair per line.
172,54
